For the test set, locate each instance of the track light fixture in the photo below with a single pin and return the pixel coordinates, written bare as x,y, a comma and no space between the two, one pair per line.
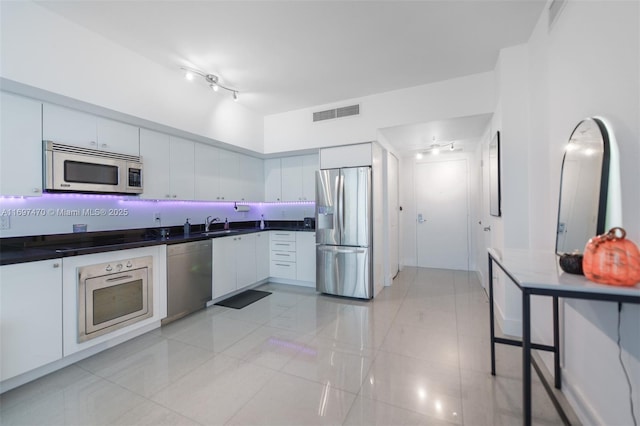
212,79
436,149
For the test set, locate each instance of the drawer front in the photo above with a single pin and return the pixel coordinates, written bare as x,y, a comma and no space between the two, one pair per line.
283,245
281,269
283,236
287,256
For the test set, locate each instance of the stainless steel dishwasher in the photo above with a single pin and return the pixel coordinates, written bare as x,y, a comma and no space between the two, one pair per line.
188,278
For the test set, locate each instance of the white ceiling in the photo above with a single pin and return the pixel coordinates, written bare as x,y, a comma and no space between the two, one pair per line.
464,132
286,55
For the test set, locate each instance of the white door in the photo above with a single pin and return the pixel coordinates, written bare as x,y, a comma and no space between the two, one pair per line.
442,214
394,206
485,238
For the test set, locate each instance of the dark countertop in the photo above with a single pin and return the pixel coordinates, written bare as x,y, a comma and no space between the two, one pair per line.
45,247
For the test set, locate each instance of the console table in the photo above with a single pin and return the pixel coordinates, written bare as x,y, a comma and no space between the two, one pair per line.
537,273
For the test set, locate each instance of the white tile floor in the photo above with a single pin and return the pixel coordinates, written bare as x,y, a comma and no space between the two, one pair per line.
417,354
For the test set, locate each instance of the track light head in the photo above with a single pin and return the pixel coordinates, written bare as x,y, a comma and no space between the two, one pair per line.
212,79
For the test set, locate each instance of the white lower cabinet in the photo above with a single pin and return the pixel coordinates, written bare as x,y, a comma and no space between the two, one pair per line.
234,263
283,254
245,260
224,266
30,316
262,256
293,256
306,256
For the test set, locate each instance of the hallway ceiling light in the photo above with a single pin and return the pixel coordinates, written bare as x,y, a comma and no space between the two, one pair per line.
436,149
212,79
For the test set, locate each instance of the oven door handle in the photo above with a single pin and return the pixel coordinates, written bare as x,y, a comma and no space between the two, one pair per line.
124,277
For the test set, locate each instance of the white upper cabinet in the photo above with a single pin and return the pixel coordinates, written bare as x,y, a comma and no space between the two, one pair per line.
118,137
154,148
181,169
291,178
272,180
298,177
251,174
168,166
310,165
20,146
207,182
223,175
71,127
228,171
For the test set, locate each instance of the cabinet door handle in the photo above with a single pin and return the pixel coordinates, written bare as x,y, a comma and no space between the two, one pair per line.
282,264
56,265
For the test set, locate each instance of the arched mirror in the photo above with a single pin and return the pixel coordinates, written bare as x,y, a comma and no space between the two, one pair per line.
584,186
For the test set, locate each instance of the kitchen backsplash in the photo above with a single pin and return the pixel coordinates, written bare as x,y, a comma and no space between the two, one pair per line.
57,213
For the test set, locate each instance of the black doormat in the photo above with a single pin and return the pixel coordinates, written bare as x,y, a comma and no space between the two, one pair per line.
243,299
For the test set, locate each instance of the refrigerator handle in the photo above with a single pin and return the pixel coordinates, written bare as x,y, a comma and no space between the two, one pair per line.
342,249
341,205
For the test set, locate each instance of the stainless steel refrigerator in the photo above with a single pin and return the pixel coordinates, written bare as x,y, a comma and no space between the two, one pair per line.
343,232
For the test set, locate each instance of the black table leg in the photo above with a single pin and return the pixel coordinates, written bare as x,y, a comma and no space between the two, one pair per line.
491,322
526,358
556,345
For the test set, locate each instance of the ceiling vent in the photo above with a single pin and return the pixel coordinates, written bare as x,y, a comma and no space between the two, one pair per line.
555,8
330,114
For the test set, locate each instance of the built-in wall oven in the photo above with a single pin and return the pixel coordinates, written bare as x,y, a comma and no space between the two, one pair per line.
114,295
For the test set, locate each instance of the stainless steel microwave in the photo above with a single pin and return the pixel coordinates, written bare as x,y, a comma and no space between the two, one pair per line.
75,169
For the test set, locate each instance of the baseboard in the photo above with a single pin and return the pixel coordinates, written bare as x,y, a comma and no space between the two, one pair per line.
292,282
584,411
558,398
510,327
480,278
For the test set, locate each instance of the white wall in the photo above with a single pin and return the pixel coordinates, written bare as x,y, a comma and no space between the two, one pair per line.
40,48
587,65
458,97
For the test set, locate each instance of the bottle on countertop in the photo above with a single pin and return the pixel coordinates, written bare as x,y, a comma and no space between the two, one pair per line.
187,228
226,223
261,221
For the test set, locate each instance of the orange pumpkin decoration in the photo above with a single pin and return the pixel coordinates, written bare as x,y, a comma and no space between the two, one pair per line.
611,259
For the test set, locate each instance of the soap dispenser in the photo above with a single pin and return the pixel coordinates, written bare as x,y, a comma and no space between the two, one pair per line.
226,223
187,228
261,221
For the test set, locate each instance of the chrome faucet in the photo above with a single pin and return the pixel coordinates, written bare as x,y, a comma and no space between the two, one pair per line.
210,222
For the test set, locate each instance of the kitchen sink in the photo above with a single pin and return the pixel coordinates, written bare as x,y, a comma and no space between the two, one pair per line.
220,232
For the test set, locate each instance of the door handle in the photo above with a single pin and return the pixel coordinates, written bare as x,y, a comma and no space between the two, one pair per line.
421,219
487,228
